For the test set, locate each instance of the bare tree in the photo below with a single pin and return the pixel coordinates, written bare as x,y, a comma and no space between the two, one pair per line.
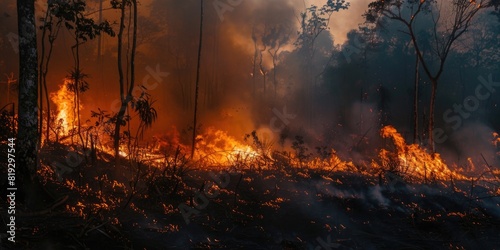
50,30
444,36
254,61
262,69
197,80
125,91
275,39
313,22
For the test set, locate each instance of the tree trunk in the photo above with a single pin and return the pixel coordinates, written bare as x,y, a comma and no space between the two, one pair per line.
415,103
99,38
431,113
78,79
274,56
44,66
125,93
197,81
121,112
255,55
27,137
40,92
42,81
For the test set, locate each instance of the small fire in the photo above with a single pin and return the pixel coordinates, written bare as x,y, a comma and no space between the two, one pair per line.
66,110
218,147
496,141
471,165
413,159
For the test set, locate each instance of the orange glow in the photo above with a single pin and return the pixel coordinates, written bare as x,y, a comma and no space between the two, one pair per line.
413,159
496,139
217,147
66,112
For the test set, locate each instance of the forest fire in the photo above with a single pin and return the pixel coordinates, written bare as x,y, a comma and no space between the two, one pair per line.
250,124
216,148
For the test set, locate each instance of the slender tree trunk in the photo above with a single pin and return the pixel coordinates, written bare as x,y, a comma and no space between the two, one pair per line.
213,81
254,69
99,39
197,81
415,102
40,80
27,137
263,71
254,72
40,101
121,112
45,72
134,46
78,79
274,56
44,65
125,93
432,105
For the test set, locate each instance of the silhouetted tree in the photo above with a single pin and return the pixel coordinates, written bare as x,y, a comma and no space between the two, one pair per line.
313,22
72,15
276,38
43,68
200,43
407,12
27,137
125,90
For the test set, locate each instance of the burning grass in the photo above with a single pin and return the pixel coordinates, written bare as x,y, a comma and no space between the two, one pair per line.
412,160
286,199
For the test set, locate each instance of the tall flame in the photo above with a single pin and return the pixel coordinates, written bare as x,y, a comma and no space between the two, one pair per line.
414,159
66,112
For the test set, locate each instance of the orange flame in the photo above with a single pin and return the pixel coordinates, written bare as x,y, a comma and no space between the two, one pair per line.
413,159
496,140
65,102
220,148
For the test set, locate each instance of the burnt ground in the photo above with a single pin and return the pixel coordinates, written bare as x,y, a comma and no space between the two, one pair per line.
93,207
